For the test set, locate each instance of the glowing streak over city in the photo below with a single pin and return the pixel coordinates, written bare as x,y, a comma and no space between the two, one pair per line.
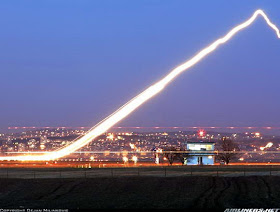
140,99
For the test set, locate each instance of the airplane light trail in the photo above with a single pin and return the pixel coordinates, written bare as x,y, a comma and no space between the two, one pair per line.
140,99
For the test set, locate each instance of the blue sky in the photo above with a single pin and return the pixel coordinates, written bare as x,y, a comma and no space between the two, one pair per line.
72,63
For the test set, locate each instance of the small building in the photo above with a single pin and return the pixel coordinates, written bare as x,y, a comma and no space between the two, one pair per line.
197,156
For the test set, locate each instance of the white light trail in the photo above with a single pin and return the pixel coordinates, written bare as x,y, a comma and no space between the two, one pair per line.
140,99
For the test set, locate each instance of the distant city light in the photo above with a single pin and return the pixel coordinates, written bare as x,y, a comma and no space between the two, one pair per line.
42,146
134,159
125,159
132,146
110,136
257,134
159,150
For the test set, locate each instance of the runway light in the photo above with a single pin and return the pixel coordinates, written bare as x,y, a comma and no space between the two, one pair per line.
134,159
157,160
42,146
143,97
125,159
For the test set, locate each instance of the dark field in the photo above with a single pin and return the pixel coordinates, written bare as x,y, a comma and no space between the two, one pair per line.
196,192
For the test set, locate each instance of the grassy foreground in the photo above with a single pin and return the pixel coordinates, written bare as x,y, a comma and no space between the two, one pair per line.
142,193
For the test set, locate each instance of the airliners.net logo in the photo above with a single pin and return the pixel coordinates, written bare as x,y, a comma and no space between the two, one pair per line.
252,210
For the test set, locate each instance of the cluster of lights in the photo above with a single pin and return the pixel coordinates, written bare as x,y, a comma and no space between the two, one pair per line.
134,159
110,136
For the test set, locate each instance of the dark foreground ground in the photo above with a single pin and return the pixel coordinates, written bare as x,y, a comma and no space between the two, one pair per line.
142,193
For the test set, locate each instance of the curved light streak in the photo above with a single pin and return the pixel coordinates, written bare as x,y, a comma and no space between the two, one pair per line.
140,99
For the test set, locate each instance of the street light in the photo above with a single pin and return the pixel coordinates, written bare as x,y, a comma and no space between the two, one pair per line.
125,159
134,158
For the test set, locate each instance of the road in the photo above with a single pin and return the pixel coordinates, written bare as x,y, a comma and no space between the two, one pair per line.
81,171
112,164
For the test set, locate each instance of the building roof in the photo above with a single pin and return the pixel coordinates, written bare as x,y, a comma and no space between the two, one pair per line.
200,142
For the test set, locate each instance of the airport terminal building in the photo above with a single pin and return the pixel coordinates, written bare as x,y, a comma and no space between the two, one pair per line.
200,158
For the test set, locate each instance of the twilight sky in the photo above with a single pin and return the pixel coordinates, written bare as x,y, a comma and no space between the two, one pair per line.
72,63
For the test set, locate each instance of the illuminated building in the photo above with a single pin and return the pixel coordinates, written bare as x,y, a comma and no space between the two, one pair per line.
199,153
